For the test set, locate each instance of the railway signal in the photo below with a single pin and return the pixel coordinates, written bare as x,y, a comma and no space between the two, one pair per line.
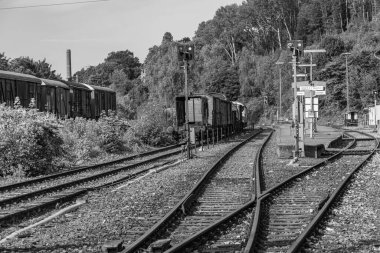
296,46
186,54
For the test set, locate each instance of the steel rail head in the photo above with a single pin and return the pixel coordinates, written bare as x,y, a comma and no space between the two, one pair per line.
258,169
251,244
183,245
180,207
296,246
81,169
79,181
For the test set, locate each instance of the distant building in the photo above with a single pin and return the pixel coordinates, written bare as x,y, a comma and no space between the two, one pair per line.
371,115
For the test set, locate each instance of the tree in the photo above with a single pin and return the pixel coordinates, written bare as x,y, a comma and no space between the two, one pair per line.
164,78
120,82
27,65
4,62
125,61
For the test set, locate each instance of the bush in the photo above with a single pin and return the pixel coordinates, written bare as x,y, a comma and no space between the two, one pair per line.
85,139
29,141
151,128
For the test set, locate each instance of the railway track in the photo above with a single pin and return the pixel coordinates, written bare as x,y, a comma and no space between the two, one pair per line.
223,198
23,199
287,213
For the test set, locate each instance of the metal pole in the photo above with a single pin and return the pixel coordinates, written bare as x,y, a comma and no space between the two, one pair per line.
187,111
280,92
348,103
295,110
375,93
311,67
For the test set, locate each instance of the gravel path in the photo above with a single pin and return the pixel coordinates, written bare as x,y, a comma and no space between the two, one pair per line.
355,223
115,215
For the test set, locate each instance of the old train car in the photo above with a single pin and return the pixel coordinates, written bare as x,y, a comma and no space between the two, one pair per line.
55,97
206,112
102,99
239,111
63,98
80,100
351,118
198,111
24,86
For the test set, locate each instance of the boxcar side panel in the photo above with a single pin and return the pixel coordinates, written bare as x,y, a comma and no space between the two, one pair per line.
180,111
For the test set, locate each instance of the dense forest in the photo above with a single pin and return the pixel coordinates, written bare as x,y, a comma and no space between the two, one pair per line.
236,54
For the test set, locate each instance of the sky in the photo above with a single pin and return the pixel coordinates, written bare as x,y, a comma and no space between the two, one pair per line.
92,30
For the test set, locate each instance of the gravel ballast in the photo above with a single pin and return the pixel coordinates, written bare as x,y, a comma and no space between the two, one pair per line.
123,214
355,223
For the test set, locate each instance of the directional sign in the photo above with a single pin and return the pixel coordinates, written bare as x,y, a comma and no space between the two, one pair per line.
311,88
320,92
300,93
318,87
308,83
301,75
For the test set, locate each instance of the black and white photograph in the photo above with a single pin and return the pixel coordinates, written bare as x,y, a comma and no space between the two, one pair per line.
203,126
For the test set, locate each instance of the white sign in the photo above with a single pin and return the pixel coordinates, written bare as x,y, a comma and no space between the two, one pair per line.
192,135
300,93
320,92
308,107
315,88
311,114
308,101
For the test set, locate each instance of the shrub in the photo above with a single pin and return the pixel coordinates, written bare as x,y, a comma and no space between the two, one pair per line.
85,139
151,128
29,141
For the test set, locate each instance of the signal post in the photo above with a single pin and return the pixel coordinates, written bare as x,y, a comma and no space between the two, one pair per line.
186,54
296,46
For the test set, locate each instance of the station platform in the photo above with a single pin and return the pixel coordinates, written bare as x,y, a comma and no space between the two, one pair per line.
314,147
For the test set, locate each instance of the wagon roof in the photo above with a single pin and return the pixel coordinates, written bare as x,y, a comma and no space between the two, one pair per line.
76,85
18,76
54,83
238,103
198,95
102,88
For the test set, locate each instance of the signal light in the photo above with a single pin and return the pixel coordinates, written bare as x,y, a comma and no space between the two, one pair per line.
296,46
185,52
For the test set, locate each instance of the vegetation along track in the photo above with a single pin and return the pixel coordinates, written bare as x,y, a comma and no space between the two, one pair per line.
24,198
226,187
285,212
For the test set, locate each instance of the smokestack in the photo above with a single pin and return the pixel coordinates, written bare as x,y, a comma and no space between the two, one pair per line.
68,64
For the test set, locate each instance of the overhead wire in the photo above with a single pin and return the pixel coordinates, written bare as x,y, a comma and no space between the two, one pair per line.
47,5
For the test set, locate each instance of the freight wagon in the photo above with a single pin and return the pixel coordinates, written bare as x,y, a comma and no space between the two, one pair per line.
210,113
63,98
